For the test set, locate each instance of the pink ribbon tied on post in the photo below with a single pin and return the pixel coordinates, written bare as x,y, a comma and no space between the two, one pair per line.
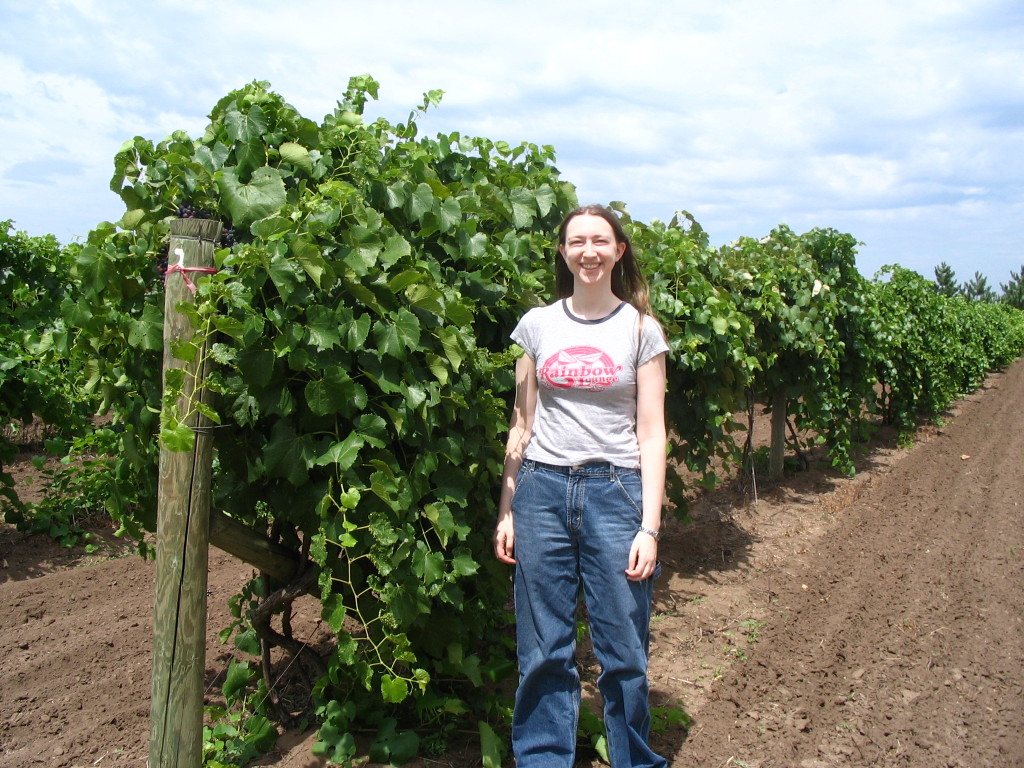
180,267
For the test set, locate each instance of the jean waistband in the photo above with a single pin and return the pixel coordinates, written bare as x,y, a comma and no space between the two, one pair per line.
591,468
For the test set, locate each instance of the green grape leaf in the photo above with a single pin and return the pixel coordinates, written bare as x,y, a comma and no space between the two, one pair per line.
246,127
237,680
263,196
343,454
491,746
393,690
297,155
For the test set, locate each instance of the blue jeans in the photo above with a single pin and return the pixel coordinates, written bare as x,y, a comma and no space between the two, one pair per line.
575,526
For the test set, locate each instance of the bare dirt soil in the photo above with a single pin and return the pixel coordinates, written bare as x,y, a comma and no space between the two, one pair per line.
819,621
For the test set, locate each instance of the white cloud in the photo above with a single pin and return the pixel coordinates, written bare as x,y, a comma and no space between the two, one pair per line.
48,115
899,122
60,134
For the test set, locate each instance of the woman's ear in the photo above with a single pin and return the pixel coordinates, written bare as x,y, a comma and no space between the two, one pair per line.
621,248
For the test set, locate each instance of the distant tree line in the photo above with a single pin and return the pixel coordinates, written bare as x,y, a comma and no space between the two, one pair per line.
978,288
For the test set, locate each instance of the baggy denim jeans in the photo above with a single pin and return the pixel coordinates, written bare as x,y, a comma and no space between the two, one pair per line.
574,526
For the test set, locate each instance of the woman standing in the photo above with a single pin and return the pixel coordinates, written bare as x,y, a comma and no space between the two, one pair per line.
582,493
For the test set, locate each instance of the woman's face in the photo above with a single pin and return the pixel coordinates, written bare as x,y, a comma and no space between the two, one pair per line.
590,249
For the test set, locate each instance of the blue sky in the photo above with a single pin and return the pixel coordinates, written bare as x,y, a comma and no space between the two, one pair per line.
901,123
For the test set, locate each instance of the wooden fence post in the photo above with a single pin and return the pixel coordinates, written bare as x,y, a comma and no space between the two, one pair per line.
183,524
777,454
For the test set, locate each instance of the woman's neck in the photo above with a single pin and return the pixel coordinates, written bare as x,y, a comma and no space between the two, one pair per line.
592,304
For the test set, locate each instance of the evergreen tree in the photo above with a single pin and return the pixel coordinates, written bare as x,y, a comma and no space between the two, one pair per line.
1013,292
945,280
978,289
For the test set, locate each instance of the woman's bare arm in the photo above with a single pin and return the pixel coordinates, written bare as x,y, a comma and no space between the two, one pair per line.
519,430
652,436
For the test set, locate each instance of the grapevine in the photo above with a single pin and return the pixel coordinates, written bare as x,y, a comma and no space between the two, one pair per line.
357,340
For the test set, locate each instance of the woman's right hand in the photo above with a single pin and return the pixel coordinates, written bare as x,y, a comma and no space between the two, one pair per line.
519,429
504,540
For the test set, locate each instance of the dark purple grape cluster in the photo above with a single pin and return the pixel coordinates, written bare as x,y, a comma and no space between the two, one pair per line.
189,211
228,237
161,259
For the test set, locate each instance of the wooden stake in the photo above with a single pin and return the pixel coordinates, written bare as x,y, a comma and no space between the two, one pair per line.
777,455
183,525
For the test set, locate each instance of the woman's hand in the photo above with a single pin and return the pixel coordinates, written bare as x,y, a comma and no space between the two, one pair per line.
643,557
504,540
650,433
519,430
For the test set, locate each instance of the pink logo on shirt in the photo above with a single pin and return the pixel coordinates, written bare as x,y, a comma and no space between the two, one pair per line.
580,367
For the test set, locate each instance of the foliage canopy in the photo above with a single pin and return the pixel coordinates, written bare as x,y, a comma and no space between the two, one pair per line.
357,334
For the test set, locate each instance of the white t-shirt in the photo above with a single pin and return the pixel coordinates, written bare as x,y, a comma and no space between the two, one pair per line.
586,376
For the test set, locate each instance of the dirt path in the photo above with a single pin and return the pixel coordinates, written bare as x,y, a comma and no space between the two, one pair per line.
75,662
873,621
898,639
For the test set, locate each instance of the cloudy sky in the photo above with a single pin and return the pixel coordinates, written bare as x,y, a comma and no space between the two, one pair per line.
898,121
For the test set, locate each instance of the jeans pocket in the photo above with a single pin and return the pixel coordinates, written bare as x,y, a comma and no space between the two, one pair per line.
632,490
522,478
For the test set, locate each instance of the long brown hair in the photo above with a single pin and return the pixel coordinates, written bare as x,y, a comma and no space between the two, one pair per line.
628,282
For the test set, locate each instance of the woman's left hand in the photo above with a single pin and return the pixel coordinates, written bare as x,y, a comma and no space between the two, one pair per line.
643,557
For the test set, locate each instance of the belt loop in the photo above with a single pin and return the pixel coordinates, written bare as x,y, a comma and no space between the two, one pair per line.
612,472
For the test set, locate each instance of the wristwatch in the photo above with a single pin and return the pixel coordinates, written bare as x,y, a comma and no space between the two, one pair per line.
651,532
